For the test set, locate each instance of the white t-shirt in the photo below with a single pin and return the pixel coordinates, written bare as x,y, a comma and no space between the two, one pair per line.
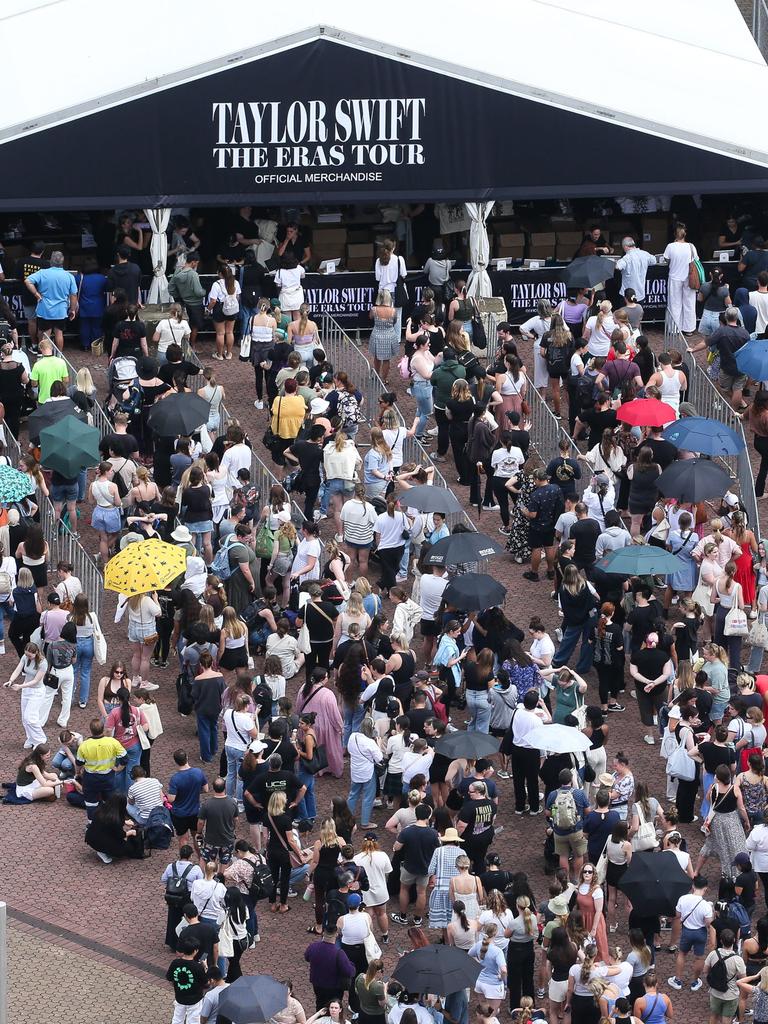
208,897
523,723
395,439
564,523
289,278
537,325
577,364
219,292
390,529
760,301
238,725
506,463
694,911
304,552
543,648
235,458
172,332
388,273
679,256
432,588
600,338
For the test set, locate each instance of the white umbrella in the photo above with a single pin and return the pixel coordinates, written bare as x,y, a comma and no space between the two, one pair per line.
558,739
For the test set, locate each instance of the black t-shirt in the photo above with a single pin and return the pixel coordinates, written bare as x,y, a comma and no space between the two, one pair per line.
126,276
196,504
168,370
279,827
650,662
754,261
206,935
320,629
123,445
564,473
461,412
499,880
417,717
129,334
728,340
478,815
584,534
714,755
598,421
664,452
263,786
189,979
310,456
747,882
27,266
285,749
521,439
243,226
642,619
472,679
418,843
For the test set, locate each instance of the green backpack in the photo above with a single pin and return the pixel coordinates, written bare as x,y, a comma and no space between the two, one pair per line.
265,541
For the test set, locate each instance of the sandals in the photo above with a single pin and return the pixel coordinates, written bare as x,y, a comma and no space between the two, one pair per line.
313,931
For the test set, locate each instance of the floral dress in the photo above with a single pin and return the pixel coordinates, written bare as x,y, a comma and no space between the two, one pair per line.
518,545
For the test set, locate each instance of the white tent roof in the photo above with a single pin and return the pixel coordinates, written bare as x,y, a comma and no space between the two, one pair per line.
686,70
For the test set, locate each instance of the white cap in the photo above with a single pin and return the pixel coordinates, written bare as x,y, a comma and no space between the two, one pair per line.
675,712
318,406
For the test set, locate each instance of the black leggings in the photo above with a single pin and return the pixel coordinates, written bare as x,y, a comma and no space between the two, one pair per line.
390,563
280,865
501,494
520,962
258,373
609,680
319,654
21,629
164,625
761,447
443,427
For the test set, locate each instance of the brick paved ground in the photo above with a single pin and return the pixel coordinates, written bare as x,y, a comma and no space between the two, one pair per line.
56,882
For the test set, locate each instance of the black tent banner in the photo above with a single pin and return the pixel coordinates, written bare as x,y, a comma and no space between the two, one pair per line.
319,123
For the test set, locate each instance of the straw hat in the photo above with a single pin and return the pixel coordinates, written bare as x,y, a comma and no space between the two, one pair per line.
451,836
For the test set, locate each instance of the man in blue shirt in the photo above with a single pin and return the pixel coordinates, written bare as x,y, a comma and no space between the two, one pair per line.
566,808
184,789
55,290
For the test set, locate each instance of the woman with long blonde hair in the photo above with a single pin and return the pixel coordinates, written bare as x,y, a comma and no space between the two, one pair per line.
281,560
491,982
377,465
304,335
384,342
325,857
233,641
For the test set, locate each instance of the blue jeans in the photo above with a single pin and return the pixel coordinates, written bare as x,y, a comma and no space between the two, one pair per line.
234,782
208,735
365,791
755,659
403,568
706,784
479,710
63,765
422,393
123,780
82,484
571,637
457,1006
6,611
352,721
298,874
83,665
307,807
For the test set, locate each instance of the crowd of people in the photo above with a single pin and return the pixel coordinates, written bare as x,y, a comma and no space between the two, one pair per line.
316,653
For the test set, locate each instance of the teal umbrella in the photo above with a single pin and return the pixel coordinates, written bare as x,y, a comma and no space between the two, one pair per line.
641,560
14,486
69,446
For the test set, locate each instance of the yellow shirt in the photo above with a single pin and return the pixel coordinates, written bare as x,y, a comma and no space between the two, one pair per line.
99,754
292,410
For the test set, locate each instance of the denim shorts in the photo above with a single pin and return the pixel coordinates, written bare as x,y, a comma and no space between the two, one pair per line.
108,520
693,939
64,492
339,486
205,527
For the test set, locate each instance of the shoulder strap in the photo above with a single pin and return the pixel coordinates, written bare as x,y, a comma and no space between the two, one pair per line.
319,609
279,835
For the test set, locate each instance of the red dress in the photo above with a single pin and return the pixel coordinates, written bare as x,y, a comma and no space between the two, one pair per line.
586,905
745,574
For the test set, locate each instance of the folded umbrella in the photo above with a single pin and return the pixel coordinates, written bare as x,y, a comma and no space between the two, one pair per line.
48,413
693,480
646,412
69,446
460,548
474,591
426,498
752,359
655,882
704,436
253,999
437,969
586,271
178,415
144,566
14,485
467,744
557,739
641,560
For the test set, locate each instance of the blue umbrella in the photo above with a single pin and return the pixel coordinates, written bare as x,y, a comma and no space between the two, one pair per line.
704,436
641,560
752,359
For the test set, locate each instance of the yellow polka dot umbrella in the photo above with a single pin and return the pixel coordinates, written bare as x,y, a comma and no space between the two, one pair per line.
144,566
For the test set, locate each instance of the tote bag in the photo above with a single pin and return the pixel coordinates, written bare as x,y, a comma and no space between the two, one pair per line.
681,765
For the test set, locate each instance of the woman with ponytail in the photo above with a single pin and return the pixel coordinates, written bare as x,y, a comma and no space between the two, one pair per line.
377,866
491,981
224,303
462,930
391,529
123,724
608,657
304,336
520,952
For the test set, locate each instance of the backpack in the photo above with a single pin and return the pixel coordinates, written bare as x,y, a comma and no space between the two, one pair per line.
220,565
264,542
565,814
6,583
176,888
184,700
262,887
129,404
739,912
229,304
5,332
557,358
159,828
122,487
262,698
717,975
585,390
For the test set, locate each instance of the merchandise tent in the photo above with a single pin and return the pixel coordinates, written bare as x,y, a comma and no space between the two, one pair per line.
331,104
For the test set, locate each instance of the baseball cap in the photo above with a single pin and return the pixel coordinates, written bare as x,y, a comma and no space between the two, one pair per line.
354,900
674,711
742,860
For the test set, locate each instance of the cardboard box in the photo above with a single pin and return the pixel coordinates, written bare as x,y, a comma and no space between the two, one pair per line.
567,244
361,252
329,236
511,239
542,245
357,263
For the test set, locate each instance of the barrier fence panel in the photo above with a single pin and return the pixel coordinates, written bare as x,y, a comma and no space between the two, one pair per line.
100,419
63,546
547,432
708,401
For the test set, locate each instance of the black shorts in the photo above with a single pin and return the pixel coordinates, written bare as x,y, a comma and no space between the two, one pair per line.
51,325
429,627
222,318
184,823
544,538
196,316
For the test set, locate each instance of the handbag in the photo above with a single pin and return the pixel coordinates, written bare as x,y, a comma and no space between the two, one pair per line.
99,643
97,347
303,642
601,868
645,837
758,635
702,596
372,948
51,680
479,336
736,623
318,762
270,437
401,288
681,765
696,275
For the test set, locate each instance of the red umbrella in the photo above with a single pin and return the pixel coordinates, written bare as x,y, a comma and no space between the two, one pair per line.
646,412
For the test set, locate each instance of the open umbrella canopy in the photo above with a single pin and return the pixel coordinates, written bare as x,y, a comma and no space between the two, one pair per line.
253,999
47,414
69,446
467,744
586,271
705,436
178,415
14,485
144,566
474,591
655,882
641,560
557,739
752,359
646,412
437,969
461,548
430,499
693,480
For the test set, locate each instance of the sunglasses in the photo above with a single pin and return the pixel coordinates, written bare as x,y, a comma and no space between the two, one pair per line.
588,871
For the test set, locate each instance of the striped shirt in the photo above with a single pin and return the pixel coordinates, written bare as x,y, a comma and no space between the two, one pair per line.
358,519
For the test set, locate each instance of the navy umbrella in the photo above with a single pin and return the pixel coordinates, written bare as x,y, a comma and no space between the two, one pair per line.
693,480
474,591
460,548
704,436
253,999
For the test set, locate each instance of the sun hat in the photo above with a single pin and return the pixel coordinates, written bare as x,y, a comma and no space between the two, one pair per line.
451,836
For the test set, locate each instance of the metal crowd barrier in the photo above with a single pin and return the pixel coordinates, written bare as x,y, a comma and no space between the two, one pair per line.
710,402
64,547
100,419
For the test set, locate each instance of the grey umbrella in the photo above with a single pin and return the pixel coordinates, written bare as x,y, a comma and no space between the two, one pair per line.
426,498
253,999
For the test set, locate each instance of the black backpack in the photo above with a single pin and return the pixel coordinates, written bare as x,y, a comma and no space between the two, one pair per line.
262,887
176,888
262,698
159,828
184,700
717,975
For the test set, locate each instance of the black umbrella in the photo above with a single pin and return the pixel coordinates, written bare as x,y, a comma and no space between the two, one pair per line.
693,480
460,548
253,999
468,744
654,882
178,415
474,591
430,499
586,271
48,413
438,969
